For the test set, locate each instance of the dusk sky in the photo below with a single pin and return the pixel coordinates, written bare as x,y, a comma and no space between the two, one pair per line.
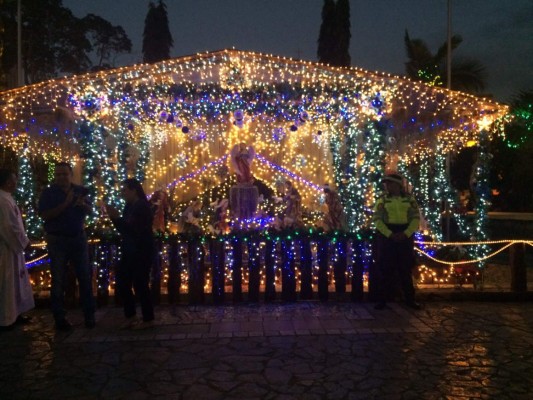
497,33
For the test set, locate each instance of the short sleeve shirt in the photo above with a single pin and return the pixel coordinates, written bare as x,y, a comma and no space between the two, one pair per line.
71,221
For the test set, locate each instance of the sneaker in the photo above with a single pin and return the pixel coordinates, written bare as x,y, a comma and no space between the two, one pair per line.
63,325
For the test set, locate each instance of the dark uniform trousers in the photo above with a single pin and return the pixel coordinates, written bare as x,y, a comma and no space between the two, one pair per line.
394,263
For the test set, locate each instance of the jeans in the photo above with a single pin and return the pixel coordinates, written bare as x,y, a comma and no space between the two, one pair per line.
62,250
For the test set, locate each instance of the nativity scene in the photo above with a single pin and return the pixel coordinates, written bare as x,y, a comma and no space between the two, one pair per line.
230,144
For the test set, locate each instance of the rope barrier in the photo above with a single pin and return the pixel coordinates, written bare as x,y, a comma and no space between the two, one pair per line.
508,244
512,241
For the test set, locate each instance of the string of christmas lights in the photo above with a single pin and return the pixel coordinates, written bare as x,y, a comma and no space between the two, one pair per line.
172,125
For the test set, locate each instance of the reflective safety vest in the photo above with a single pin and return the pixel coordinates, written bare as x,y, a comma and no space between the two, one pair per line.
394,211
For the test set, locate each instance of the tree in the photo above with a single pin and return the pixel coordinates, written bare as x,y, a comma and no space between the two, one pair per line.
343,36
2,37
157,39
467,75
334,37
512,155
25,195
326,38
54,41
106,40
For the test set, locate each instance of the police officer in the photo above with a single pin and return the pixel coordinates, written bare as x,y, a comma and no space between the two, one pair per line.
396,219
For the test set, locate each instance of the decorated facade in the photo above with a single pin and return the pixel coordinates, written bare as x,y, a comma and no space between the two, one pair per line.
174,124
230,141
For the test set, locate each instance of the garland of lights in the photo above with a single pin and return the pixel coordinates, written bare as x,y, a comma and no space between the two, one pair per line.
144,156
25,195
423,185
523,117
91,153
482,192
373,166
346,179
121,154
434,180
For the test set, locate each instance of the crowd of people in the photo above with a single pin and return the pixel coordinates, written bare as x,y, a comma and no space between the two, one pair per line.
64,205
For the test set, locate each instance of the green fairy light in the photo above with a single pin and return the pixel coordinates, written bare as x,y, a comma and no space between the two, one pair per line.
25,195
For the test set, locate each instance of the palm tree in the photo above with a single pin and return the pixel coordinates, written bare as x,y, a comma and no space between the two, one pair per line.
467,75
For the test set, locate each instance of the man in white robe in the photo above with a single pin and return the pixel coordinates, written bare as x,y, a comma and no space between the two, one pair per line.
16,296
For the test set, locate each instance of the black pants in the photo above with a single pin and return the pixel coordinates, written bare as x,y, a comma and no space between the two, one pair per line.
394,263
134,272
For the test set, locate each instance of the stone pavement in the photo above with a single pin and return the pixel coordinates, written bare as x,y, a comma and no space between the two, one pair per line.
304,350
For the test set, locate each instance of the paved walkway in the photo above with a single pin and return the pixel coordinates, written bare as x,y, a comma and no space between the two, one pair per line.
305,350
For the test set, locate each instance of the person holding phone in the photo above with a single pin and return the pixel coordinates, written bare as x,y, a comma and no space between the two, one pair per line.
63,206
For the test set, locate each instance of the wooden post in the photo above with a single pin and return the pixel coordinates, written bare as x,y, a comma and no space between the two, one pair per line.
196,271
270,271
322,258
217,270
237,271
157,272
254,264
174,271
339,268
288,272
358,269
306,270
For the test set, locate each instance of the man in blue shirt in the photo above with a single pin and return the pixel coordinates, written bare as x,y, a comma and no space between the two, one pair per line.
63,206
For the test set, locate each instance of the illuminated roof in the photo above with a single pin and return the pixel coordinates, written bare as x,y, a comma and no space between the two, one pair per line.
190,105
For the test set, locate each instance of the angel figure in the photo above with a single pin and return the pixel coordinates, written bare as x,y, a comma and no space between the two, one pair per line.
241,159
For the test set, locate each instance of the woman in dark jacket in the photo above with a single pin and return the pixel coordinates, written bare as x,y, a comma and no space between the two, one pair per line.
135,227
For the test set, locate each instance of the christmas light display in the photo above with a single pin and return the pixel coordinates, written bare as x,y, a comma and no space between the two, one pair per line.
172,125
